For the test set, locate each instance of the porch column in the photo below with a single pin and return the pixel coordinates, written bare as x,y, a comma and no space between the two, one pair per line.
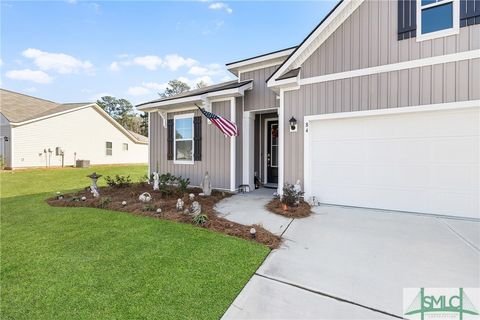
248,149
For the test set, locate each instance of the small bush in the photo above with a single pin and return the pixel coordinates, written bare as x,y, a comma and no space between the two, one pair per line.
104,202
182,185
119,181
291,197
200,219
149,207
144,180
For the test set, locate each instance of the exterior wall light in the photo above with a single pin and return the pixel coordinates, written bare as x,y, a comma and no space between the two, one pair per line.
293,124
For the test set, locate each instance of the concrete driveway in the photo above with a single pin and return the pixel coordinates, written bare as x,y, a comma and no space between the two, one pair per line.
344,263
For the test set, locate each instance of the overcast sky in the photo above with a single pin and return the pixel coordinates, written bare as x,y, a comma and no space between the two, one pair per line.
75,51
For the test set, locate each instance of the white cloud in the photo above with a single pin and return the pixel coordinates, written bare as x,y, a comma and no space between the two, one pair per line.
208,70
1,62
149,62
29,75
59,62
227,78
138,91
114,66
220,6
174,61
193,82
159,87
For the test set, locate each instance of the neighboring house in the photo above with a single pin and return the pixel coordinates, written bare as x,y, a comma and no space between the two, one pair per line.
378,107
34,132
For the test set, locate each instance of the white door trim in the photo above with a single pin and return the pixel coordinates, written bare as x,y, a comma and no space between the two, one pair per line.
265,143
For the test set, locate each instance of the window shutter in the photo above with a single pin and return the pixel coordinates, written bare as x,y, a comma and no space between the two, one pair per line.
170,139
469,12
197,138
407,19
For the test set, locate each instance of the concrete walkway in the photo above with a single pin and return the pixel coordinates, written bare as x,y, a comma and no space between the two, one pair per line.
344,263
249,208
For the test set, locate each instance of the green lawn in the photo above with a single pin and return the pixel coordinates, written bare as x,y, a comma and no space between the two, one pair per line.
82,263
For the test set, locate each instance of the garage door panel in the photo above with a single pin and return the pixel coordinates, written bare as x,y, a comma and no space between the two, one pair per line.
421,162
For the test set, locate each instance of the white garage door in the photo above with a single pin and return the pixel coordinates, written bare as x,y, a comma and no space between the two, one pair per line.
424,162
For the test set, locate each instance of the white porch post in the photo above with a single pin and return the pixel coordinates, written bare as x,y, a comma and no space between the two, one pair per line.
248,146
281,141
233,148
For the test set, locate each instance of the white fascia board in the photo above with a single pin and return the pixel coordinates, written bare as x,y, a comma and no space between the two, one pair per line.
261,59
204,98
319,36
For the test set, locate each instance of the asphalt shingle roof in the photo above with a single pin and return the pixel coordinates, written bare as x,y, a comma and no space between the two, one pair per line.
17,107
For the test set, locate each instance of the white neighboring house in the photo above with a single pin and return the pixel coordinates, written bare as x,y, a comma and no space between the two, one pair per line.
34,133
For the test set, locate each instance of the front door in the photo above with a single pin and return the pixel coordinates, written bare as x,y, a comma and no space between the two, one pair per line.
272,151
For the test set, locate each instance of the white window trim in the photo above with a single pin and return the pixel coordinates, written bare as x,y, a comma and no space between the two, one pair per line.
441,33
182,116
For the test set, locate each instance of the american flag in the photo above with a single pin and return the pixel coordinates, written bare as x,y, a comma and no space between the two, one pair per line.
227,127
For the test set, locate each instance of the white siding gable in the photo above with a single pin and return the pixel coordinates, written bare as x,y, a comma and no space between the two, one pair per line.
84,132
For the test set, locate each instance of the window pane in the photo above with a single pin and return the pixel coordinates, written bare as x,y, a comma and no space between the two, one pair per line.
184,150
183,128
274,156
425,2
109,145
274,134
437,18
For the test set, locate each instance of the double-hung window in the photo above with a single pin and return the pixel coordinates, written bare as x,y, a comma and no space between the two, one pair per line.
183,142
437,18
108,148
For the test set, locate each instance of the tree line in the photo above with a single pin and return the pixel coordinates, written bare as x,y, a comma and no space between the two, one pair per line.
125,114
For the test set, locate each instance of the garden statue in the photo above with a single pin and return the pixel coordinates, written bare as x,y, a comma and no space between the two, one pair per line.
195,208
124,203
145,197
297,187
179,205
95,192
159,211
94,176
156,180
191,196
206,185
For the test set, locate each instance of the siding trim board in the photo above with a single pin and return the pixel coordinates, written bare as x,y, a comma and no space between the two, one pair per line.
454,57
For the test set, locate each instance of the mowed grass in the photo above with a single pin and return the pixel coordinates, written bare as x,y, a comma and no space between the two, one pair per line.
83,263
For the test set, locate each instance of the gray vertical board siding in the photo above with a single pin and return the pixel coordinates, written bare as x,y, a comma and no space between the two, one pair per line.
260,97
456,81
368,38
215,150
239,142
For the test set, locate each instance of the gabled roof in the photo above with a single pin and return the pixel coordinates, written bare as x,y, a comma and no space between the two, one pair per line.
322,31
20,108
201,91
17,107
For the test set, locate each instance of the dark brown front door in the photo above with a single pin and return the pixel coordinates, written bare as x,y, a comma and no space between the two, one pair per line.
272,151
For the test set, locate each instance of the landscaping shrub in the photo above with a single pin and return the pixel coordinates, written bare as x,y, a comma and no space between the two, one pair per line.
290,196
149,207
182,185
200,219
119,181
104,202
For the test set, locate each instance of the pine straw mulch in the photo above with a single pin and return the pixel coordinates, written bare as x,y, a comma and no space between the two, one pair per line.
303,209
169,212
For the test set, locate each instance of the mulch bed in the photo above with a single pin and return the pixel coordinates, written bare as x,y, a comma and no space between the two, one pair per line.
169,212
301,211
